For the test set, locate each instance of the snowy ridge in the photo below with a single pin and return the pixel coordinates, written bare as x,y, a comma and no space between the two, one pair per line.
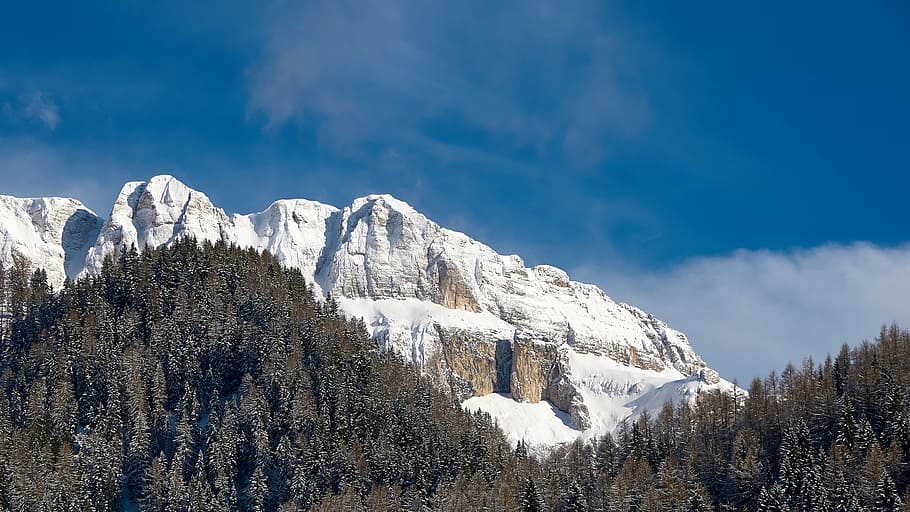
483,324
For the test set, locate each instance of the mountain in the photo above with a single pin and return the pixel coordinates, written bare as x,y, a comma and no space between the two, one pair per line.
548,357
52,232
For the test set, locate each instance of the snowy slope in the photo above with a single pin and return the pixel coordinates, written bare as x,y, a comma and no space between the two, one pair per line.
51,232
612,392
483,324
537,425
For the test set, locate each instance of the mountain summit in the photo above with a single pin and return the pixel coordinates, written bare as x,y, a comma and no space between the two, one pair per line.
548,357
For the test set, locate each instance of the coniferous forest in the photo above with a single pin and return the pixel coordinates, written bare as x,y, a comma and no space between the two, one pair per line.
207,377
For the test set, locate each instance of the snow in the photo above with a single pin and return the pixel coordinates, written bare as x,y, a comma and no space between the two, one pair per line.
50,232
613,393
407,277
538,425
394,203
415,312
407,325
609,388
293,230
158,211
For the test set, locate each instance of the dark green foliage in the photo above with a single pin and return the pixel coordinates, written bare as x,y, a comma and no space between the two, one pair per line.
209,378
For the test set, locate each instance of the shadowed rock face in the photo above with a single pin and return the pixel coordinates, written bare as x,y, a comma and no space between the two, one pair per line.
454,292
541,371
79,232
479,321
472,360
504,355
529,370
532,368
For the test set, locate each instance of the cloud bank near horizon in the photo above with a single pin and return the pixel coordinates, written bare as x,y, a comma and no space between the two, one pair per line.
752,312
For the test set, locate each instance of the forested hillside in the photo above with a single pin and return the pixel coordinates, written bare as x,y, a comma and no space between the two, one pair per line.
210,378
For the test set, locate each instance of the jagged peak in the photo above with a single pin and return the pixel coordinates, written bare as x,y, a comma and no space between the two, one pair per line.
160,189
387,200
158,179
169,188
158,182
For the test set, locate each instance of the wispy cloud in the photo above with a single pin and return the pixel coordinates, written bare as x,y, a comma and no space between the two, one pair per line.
33,106
753,311
517,76
36,106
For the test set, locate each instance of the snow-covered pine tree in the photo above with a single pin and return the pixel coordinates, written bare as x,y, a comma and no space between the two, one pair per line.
529,499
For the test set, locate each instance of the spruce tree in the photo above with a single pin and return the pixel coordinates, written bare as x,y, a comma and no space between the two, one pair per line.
529,499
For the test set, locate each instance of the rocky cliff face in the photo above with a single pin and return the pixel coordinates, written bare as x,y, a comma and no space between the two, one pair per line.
479,321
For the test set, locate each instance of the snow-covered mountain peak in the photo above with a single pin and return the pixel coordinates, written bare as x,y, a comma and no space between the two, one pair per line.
153,213
50,232
479,322
169,190
552,275
385,201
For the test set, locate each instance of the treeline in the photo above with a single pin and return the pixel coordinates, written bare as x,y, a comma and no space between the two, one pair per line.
827,437
207,377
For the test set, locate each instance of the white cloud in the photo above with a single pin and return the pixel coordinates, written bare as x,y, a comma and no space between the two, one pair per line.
753,311
34,106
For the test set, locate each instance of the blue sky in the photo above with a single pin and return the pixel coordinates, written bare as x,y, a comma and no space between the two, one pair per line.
739,169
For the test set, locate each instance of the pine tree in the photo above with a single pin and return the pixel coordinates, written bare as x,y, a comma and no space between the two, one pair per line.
529,499
605,455
698,499
573,499
886,497
772,500
521,450
865,436
672,485
847,429
205,377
